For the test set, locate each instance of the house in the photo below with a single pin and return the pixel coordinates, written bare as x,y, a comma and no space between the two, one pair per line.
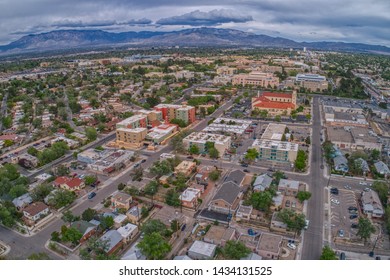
121,201
22,201
382,168
340,163
288,187
113,239
189,198
219,235
186,167
372,205
362,165
182,258
201,178
200,250
128,232
244,212
134,214
34,212
134,254
277,224
119,219
252,257
87,229
28,161
236,176
269,246
262,183
226,199
70,184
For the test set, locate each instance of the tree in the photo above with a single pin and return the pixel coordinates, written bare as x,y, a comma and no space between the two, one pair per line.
251,154
235,250
214,153
72,235
88,214
40,192
179,122
32,151
277,176
328,254
62,198
9,171
214,175
294,221
7,122
365,229
106,222
138,173
284,139
303,195
307,140
89,180
300,161
175,225
160,168
144,212
153,226
382,188
154,247
261,200
91,133
278,118
151,188
193,150
375,154
121,186
39,256
17,191
172,198
62,170
68,217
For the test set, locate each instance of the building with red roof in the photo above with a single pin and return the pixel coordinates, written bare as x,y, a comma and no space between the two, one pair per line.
275,103
71,184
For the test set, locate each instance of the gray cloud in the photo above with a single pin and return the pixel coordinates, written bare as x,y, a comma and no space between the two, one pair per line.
198,18
364,21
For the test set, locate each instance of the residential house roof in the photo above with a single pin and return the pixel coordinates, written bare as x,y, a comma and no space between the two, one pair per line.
127,229
113,237
83,226
236,176
121,197
363,164
262,182
340,160
270,242
35,208
291,184
381,167
252,256
228,192
372,203
203,248
22,200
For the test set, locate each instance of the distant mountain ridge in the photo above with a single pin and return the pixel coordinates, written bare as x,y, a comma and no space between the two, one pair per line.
218,37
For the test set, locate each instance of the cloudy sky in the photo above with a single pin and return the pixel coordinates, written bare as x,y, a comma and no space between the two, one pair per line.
365,21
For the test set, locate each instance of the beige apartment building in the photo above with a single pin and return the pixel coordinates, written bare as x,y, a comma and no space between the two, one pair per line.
130,137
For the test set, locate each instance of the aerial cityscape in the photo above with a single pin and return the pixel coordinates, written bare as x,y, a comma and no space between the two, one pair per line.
212,141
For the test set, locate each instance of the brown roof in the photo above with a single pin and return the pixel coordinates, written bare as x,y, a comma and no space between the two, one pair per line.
35,208
75,182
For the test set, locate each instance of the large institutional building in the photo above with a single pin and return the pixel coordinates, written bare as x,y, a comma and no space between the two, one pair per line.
275,103
258,79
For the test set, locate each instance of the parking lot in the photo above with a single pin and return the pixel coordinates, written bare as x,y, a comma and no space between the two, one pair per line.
340,215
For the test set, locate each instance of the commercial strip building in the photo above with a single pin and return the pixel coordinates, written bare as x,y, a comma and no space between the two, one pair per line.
181,112
336,118
353,138
221,142
255,78
237,126
275,103
105,161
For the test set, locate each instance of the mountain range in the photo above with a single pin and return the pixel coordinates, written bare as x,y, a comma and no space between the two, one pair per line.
196,37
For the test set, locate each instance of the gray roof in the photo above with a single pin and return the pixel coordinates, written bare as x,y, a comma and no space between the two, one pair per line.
22,200
363,164
134,253
236,176
262,182
228,192
182,258
203,248
252,256
83,226
113,237
340,160
381,167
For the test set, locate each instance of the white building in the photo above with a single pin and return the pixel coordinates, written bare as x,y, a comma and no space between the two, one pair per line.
202,251
221,142
128,232
237,126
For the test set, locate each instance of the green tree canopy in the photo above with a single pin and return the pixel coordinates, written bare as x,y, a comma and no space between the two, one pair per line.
251,154
365,229
88,214
261,200
214,175
193,150
91,133
154,247
328,254
153,226
303,195
294,221
235,250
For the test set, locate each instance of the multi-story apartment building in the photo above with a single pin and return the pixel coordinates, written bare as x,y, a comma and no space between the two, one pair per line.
221,142
312,82
133,122
130,137
181,112
276,150
275,103
258,79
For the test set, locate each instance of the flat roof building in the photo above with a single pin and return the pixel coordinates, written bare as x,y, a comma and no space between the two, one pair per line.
200,250
237,126
276,150
221,142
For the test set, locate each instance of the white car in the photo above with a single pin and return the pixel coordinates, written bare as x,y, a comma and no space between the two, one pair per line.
291,246
335,201
363,183
347,187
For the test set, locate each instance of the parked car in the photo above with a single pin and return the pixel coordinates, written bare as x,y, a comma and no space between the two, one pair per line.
340,233
291,246
335,201
352,208
367,189
183,227
244,165
91,195
342,256
354,225
246,170
363,183
190,157
334,191
353,216
347,187
143,160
